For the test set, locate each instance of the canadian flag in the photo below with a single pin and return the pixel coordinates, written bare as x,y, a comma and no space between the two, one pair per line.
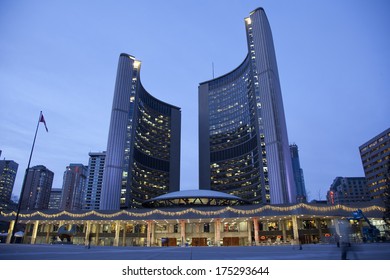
42,119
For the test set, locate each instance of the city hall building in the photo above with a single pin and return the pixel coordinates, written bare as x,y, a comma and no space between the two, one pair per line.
247,194
194,218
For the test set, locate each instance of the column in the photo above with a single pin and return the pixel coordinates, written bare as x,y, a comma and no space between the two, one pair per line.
295,228
284,234
249,226
97,227
48,227
182,232
217,232
117,233
197,228
152,239
256,230
88,233
318,223
124,234
35,231
149,234
10,229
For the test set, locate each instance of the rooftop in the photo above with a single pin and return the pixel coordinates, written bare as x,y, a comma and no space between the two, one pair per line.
194,198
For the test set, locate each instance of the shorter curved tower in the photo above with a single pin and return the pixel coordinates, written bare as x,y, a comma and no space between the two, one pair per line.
143,148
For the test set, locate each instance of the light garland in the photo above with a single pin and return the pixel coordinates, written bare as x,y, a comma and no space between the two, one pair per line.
195,211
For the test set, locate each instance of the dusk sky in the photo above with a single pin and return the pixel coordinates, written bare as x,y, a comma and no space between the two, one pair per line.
60,57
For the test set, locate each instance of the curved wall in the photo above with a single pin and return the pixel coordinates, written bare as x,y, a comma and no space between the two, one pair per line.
243,143
143,149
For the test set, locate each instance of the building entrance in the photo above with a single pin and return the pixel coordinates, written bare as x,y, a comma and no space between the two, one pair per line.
168,242
231,241
199,241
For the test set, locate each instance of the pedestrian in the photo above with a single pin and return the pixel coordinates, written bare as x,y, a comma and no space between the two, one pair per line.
345,241
344,250
337,239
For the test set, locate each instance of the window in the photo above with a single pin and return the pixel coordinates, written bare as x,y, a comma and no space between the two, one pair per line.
230,227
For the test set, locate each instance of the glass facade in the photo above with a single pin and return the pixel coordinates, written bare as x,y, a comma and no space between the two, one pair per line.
143,150
243,143
8,170
150,164
236,166
298,174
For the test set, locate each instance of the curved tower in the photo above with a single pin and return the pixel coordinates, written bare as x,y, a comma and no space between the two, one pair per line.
243,143
143,147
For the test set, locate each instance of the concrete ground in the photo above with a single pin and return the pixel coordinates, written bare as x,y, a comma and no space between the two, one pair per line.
374,251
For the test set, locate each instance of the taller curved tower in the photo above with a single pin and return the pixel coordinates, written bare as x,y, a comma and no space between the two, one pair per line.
143,148
243,143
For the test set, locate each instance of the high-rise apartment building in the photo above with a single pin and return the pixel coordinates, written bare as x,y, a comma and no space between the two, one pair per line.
36,194
55,198
94,181
8,170
375,155
243,143
73,187
347,190
143,147
298,174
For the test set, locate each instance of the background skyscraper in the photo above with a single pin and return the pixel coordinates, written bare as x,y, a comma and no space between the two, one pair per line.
375,155
94,181
55,198
347,190
243,143
298,174
143,147
37,190
8,170
73,187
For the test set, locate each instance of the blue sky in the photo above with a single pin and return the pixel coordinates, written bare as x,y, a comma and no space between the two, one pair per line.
61,57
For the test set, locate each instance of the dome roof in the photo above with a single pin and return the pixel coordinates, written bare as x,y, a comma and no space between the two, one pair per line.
194,198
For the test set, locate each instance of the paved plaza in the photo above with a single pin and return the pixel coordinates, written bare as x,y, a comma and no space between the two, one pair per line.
374,251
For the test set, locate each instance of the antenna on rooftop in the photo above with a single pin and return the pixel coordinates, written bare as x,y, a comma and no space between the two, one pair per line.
212,66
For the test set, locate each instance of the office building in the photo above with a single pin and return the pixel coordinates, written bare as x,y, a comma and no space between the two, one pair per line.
8,170
36,194
55,198
347,190
298,174
375,155
143,147
243,143
94,180
73,187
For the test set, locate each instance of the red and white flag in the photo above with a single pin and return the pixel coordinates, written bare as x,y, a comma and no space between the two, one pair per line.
42,119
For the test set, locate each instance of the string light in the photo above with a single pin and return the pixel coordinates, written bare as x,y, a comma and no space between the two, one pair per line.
286,209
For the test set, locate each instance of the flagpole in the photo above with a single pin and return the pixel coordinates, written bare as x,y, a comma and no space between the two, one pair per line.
13,239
